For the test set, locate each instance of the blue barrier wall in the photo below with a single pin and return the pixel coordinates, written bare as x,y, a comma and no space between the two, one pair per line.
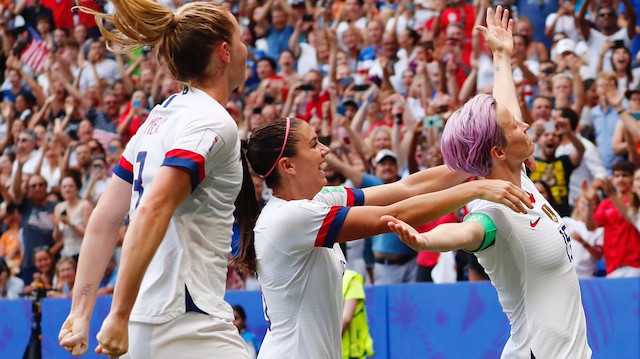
462,320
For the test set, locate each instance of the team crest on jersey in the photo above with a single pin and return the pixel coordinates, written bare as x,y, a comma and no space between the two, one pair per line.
550,212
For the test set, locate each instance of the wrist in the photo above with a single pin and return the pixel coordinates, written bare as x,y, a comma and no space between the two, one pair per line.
620,110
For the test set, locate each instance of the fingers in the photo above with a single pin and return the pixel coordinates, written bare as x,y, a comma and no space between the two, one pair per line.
388,218
490,14
63,333
505,19
111,353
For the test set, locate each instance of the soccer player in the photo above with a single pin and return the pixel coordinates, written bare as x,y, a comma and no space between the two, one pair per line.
179,177
527,256
294,251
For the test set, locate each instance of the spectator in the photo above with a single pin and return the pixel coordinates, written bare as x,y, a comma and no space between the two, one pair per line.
35,211
98,180
240,321
395,261
621,246
32,12
42,277
97,69
10,247
105,119
10,287
65,278
277,38
605,118
606,28
26,148
587,249
590,167
70,218
555,171
356,341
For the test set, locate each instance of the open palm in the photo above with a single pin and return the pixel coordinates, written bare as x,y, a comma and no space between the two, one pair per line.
499,31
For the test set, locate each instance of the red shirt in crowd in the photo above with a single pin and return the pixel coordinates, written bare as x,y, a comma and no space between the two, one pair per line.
62,14
621,238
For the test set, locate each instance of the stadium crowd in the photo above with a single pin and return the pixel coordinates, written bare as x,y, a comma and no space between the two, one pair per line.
376,80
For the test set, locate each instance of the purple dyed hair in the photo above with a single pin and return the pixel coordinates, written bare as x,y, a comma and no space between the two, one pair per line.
470,134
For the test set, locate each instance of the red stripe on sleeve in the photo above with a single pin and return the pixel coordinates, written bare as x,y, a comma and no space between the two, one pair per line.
125,164
351,199
198,158
326,224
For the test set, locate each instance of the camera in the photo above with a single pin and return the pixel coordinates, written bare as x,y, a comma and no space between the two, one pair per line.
307,87
346,81
432,122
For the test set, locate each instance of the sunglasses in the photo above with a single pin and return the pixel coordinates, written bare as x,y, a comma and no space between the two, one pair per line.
36,185
606,14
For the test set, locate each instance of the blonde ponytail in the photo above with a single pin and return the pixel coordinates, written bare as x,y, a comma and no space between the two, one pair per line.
185,38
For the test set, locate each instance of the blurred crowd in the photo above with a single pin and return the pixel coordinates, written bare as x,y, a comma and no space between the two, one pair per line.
377,80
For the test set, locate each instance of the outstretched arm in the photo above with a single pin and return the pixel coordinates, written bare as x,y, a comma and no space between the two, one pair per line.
362,221
445,237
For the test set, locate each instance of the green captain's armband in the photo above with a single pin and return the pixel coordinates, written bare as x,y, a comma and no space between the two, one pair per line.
490,229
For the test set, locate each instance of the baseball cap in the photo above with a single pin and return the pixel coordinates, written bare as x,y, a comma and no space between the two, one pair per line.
385,153
565,45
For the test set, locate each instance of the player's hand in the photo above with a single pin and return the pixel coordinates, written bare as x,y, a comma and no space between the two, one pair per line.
74,335
530,163
499,31
504,192
113,338
405,232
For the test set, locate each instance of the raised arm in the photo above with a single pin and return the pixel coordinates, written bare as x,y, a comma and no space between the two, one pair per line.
581,22
498,34
631,18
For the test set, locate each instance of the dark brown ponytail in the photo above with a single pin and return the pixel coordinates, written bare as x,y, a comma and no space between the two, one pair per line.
246,214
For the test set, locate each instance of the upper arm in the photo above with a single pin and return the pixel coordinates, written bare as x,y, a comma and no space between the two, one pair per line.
170,187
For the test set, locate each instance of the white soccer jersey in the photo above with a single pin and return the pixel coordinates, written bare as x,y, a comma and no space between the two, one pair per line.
300,270
530,266
194,132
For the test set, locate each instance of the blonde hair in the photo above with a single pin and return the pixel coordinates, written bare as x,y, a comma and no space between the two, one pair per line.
608,76
185,38
63,261
558,77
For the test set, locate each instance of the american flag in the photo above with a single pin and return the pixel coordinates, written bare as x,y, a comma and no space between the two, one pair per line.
35,54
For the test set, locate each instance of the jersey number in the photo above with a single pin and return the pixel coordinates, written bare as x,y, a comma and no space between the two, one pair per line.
137,182
567,241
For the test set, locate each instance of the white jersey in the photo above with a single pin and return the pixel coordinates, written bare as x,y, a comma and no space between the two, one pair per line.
530,266
194,132
300,270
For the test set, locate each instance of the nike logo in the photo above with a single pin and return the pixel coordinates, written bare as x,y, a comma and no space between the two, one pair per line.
534,224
